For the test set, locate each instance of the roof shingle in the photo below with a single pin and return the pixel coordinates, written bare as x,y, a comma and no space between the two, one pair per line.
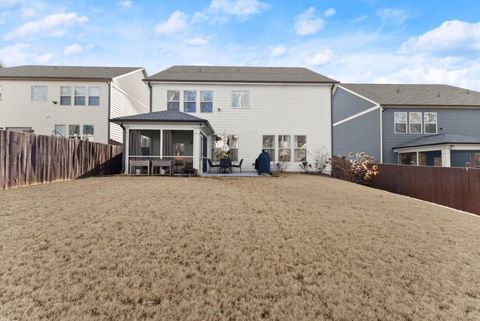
440,139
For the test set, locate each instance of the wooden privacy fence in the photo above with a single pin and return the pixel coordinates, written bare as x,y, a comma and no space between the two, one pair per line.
27,159
454,187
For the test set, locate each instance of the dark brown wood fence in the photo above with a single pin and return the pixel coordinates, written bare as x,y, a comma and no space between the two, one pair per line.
27,159
454,187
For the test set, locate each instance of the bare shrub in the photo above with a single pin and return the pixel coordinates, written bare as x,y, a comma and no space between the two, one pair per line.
358,167
321,160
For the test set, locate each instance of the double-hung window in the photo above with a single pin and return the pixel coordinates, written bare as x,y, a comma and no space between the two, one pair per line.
39,93
65,96
88,131
284,148
80,96
300,152
74,131
61,130
173,100
400,122
240,99
415,122
232,142
93,96
190,101
268,144
430,122
206,101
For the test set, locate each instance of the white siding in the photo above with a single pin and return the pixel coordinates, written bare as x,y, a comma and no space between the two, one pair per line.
17,109
274,110
130,96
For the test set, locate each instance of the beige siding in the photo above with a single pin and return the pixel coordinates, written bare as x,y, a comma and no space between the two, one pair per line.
274,110
17,109
130,96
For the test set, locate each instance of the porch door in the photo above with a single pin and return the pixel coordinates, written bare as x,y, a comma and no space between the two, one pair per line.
204,153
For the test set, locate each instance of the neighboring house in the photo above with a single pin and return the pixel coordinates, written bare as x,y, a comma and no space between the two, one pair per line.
70,101
433,125
199,112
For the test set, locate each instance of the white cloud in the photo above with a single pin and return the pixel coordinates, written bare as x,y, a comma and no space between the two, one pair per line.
320,58
393,16
125,3
330,12
451,35
219,11
308,22
278,51
28,13
14,54
196,41
177,22
43,59
49,25
72,49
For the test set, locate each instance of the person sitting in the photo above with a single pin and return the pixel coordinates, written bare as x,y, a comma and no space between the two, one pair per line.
262,163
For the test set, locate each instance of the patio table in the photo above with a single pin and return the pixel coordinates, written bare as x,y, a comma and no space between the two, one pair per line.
226,165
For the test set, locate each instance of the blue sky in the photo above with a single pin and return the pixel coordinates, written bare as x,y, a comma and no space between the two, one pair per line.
351,41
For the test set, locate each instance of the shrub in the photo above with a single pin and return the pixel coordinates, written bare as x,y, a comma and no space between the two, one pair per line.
320,162
359,168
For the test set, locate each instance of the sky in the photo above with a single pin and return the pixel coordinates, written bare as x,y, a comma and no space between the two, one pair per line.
377,41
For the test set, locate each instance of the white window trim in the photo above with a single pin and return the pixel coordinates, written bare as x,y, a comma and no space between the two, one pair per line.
188,101
299,148
290,148
201,101
239,91
394,123
88,96
174,101
436,122
410,123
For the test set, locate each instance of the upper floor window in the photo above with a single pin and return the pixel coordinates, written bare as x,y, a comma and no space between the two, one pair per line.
300,152
65,96
80,96
93,96
206,101
190,101
240,99
39,93
173,100
430,122
415,122
400,122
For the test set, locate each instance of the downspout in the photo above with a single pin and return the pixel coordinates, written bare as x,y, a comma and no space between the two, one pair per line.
331,122
109,109
382,109
150,88
124,152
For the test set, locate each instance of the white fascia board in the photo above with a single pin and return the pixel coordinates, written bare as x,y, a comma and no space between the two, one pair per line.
366,111
430,148
153,82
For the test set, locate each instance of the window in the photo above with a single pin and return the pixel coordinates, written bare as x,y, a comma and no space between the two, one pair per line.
65,96
206,101
300,152
232,142
408,158
190,101
80,96
268,144
74,131
400,122
60,130
173,100
476,159
240,99
39,93
93,96
88,131
430,122
415,122
284,152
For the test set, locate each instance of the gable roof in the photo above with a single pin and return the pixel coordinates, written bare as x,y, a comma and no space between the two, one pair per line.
439,139
240,74
164,116
64,72
416,95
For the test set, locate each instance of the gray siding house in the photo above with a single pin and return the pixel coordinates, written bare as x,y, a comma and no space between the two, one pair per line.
430,125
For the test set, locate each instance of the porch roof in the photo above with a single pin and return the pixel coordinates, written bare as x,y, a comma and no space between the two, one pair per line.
164,116
439,139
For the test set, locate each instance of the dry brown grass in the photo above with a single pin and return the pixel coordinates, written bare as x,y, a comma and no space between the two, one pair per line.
289,248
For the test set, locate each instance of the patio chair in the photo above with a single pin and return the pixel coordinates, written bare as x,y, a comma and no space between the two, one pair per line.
211,165
140,163
239,165
162,164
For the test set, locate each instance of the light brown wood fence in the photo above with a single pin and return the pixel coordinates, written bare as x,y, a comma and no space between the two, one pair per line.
27,159
454,187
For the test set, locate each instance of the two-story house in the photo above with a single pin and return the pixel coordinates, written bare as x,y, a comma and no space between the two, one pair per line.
71,101
200,112
432,125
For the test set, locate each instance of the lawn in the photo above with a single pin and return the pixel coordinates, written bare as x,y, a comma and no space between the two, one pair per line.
295,247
